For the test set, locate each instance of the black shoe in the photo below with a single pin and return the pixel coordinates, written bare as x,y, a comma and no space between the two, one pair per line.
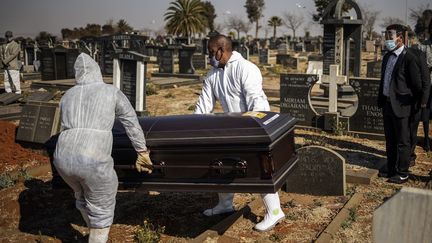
398,179
412,163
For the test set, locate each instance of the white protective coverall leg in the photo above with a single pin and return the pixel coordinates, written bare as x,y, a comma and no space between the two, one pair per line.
83,151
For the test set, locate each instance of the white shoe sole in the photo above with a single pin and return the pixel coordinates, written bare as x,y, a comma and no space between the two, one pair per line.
271,226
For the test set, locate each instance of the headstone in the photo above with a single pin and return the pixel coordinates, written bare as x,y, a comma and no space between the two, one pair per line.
40,96
58,63
328,48
368,117
320,171
373,69
314,57
315,67
405,217
129,75
166,60
283,48
8,98
185,60
264,56
370,46
199,61
294,97
299,47
287,61
39,121
333,79
244,51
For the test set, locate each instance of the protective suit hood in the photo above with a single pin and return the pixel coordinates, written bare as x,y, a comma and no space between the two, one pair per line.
87,71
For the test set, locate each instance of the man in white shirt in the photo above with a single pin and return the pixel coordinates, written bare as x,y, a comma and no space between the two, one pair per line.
237,84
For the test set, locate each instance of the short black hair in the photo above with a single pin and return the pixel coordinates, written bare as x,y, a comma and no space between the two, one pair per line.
398,27
8,33
222,41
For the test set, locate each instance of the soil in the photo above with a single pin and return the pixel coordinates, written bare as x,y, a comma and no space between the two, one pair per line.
14,156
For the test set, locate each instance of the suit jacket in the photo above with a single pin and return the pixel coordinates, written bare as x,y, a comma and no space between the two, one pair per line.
405,83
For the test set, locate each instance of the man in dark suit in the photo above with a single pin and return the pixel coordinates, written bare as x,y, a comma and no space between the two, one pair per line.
400,83
422,101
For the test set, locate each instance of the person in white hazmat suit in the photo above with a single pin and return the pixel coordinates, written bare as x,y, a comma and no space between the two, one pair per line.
237,84
83,152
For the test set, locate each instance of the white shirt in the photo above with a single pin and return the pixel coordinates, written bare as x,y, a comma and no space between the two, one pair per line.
238,87
391,62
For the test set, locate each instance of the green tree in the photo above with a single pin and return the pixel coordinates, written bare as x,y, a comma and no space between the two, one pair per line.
321,5
274,22
185,17
123,27
93,30
254,9
209,15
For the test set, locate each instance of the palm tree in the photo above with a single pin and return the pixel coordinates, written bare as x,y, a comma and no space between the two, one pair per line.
185,17
123,26
274,22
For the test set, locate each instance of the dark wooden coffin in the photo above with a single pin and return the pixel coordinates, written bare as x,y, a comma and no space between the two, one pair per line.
235,152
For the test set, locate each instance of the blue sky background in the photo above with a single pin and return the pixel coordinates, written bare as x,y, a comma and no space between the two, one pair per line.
29,17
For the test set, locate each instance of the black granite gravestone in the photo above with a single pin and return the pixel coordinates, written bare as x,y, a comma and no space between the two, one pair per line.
8,98
128,80
373,69
58,63
40,96
294,97
185,60
368,117
320,171
264,56
166,60
39,121
199,61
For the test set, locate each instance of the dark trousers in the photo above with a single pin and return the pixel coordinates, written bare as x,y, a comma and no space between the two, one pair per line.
398,141
423,116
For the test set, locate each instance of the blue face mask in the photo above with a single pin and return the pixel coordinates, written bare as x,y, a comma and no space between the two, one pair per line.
390,44
214,62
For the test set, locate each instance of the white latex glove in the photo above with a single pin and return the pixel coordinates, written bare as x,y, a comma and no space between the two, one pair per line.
143,162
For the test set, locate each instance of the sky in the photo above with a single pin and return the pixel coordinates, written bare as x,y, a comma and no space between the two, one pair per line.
28,17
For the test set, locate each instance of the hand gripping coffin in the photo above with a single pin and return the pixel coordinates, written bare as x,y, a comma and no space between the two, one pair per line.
233,152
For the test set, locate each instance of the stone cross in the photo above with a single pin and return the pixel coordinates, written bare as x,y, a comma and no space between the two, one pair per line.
333,79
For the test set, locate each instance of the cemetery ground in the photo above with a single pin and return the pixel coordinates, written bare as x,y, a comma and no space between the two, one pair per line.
30,211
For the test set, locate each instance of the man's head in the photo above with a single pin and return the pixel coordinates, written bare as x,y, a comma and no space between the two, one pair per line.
395,36
220,50
8,36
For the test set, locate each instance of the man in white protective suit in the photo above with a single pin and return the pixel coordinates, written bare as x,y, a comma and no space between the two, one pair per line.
83,152
237,84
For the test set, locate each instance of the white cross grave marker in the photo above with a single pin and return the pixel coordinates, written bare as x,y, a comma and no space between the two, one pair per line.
333,79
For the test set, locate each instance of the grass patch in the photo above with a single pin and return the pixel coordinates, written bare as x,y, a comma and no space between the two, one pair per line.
275,237
352,217
151,89
6,181
148,233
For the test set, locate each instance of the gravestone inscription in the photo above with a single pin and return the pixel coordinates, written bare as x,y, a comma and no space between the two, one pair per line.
320,171
294,97
368,117
39,121
166,60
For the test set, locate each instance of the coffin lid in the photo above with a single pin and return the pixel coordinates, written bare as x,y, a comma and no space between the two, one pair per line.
210,129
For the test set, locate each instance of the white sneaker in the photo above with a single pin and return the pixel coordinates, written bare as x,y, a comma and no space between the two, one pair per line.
225,205
99,235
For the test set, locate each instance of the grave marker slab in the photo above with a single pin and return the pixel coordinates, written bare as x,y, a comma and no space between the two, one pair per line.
373,69
185,60
39,121
199,61
320,171
294,97
406,217
264,56
368,117
287,61
244,51
166,60
8,98
40,96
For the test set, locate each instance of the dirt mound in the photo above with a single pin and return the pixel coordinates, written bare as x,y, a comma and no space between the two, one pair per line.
12,155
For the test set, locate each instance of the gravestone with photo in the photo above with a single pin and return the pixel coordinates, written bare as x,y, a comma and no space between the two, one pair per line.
368,117
185,59
320,171
39,121
405,217
264,56
129,75
294,97
166,60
